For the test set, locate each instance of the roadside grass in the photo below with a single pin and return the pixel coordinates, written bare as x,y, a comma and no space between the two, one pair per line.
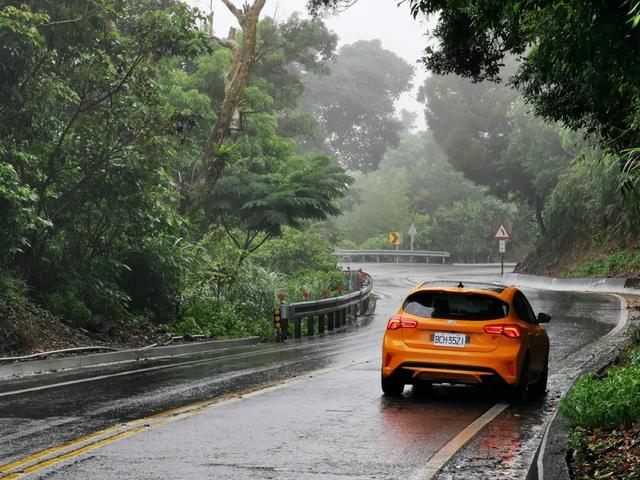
617,263
604,412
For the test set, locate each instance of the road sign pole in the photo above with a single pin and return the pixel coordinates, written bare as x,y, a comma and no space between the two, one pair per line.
502,235
412,232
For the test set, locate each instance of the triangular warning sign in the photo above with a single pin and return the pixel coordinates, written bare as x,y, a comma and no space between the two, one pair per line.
502,233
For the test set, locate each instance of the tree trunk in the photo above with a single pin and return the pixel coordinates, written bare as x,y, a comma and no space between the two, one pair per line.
243,58
539,205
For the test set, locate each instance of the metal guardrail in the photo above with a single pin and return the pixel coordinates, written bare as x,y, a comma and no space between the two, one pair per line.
411,254
328,313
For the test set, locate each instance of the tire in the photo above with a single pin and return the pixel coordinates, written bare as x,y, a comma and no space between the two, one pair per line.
520,393
391,386
539,388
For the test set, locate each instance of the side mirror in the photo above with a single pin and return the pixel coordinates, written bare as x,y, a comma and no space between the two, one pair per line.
544,318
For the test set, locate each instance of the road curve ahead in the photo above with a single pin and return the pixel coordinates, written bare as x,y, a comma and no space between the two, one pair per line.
321,415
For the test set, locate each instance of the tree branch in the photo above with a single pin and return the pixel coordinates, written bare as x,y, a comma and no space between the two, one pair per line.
60,22
117,87
235,10
225,42
228,232
255,247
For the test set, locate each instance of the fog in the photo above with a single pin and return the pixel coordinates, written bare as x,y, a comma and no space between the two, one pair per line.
366,20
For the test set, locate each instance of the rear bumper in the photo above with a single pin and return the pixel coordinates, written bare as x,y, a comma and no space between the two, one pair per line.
446,373
443,365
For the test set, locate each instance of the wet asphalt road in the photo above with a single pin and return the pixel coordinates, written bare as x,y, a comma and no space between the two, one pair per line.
330,425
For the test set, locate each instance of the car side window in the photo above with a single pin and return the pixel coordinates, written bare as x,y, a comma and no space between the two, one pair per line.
523,309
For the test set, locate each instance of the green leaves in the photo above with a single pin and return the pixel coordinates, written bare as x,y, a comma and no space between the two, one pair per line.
577,58
609,401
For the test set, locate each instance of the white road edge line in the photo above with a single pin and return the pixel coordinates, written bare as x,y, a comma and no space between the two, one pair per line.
443,455
214,403
622,323
149,369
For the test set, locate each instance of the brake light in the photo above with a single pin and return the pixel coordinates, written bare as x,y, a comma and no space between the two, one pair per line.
397,322
511,331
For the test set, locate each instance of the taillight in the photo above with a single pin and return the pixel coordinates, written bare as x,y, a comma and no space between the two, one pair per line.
397,322
406,323
394,323
494,329
511,331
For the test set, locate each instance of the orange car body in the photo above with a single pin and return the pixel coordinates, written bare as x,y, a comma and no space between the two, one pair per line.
482,333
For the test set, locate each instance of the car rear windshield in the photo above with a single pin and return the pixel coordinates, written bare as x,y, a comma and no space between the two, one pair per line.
468,306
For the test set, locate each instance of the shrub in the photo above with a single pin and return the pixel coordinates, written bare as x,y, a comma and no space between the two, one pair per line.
67,304
379,242
297,251
12,291
239,307
618,262
609,401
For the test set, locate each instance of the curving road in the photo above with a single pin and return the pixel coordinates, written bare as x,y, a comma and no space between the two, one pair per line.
308,409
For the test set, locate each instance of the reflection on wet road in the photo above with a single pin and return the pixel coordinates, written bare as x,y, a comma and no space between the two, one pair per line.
332,425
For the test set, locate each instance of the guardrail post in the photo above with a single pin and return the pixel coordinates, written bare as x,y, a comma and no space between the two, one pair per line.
310,328
285,329
331,320
321,319
297,332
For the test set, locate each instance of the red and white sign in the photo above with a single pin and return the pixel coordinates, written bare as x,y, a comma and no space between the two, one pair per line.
502,233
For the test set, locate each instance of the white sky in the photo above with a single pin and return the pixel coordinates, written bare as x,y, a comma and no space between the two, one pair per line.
366,20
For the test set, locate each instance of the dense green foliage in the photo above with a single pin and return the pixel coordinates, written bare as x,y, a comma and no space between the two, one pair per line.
613,265
105,109
489,135
418,185
608,401
223,301
577,65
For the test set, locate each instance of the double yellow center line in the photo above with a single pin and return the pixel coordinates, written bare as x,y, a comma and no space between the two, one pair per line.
63,452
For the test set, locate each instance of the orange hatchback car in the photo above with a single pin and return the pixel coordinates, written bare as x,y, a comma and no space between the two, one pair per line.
474,333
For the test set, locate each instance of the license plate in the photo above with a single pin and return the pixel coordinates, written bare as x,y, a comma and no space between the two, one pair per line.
449,339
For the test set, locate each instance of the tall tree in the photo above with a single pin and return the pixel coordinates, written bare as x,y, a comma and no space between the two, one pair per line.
492,138
85,134
213,161
578,59
355,103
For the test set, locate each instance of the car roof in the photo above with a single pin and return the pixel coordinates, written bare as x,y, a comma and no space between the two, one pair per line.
462,286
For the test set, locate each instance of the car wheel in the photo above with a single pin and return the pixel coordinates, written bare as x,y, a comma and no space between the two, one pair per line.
540,387
520,392
391,386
